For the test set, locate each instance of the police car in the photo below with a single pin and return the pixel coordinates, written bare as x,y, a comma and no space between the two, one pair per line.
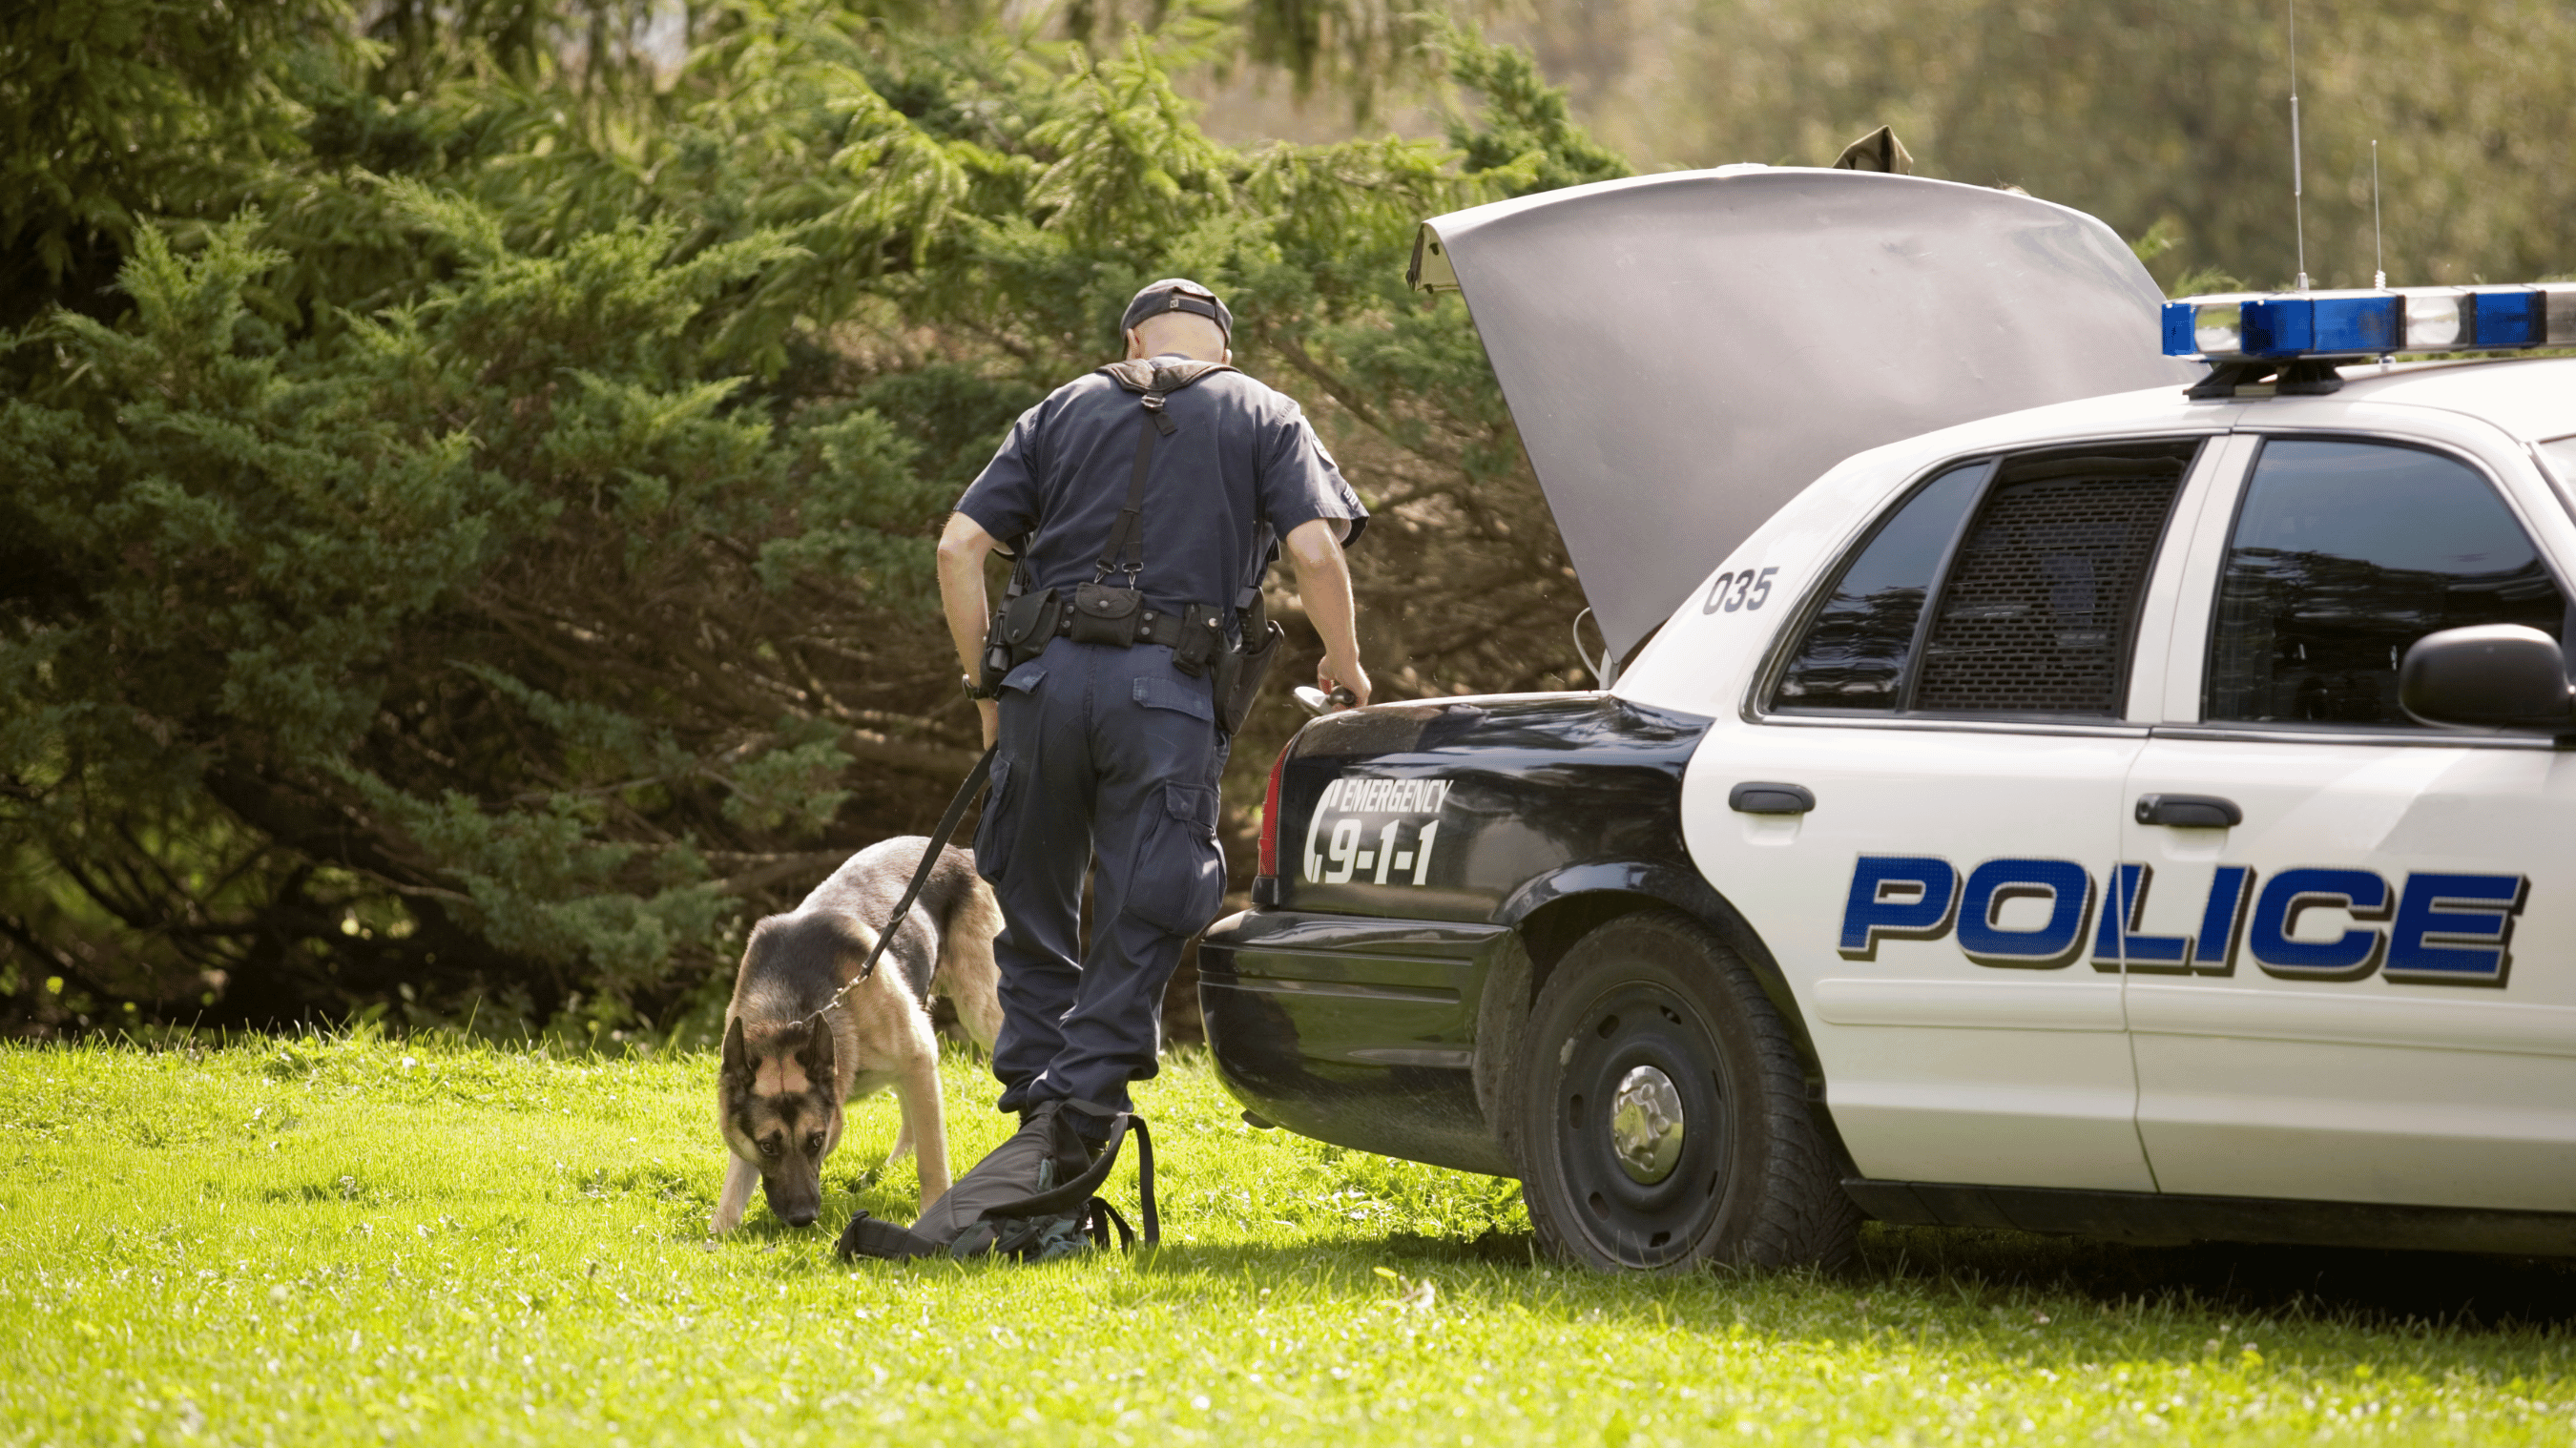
2097,766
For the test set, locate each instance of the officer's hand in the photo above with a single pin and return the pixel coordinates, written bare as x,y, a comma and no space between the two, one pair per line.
991,709
1335,673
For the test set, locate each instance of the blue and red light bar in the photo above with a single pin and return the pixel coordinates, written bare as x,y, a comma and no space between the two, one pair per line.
2371,323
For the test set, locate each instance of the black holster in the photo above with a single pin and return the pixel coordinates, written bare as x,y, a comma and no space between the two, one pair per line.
1241,670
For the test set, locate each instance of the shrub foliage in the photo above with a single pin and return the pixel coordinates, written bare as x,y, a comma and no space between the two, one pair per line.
476,557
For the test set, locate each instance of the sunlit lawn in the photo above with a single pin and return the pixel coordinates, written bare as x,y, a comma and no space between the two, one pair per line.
326,1240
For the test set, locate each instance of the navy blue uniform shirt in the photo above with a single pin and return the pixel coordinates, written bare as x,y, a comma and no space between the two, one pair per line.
1244,454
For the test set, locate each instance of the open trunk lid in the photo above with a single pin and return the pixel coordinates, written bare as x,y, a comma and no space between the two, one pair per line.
1683,353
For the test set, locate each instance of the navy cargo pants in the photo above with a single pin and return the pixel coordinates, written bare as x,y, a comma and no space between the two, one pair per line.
1113,753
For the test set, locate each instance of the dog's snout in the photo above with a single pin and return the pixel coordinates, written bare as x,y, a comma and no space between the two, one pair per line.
797,1203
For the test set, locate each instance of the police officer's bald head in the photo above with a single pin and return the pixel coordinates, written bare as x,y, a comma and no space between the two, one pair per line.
1178,315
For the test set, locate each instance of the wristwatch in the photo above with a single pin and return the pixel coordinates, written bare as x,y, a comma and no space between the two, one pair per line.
976,691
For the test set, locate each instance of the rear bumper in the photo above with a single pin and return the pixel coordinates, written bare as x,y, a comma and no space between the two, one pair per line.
1355,1030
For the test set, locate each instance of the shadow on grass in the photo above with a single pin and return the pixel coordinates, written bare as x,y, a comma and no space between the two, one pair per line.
2388,1286
1975,1295
2370,1289
2365,1287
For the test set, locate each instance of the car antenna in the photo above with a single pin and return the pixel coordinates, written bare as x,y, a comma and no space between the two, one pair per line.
2378,253
2298,185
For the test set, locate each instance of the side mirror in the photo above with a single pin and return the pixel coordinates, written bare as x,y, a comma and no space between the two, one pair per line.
2493,676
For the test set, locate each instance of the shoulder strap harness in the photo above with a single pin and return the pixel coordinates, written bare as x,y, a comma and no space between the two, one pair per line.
1152,384
1024,622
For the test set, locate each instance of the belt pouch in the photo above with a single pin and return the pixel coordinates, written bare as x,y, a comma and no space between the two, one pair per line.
1103,614
1028,624
1240,673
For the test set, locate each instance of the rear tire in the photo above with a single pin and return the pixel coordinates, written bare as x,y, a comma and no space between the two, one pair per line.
1661,1119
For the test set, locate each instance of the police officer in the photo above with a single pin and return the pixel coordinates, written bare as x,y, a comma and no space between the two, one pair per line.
1111,750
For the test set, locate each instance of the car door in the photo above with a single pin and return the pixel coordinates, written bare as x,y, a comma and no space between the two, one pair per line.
1953,707
2345,933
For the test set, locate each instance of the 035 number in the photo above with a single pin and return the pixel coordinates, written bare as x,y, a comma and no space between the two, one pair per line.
1746,589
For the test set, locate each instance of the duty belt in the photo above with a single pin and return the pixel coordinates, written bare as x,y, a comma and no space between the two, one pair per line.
1160,626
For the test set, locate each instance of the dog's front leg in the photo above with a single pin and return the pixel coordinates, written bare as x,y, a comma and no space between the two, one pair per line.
740,1177
917,1088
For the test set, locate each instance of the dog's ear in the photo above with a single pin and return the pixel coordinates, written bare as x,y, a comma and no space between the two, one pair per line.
737,1051
816,1054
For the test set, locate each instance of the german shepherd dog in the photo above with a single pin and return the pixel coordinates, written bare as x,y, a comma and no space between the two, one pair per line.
780,1089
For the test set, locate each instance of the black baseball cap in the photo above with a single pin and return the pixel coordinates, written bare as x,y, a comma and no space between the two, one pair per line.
1177,294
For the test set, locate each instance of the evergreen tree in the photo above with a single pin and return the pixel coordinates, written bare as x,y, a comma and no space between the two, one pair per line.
493,566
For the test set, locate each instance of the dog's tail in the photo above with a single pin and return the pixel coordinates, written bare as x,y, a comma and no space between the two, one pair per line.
966,972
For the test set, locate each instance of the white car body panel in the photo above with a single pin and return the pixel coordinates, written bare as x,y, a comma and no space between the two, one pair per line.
1937,1068
1941,1069
2369,1091
2257,1086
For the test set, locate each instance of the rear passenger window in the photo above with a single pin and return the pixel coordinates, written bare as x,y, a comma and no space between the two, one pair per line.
1855,653
2343,555
2005,587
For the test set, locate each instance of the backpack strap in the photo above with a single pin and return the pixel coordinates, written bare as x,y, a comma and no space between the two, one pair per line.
1074,1192
1051,1207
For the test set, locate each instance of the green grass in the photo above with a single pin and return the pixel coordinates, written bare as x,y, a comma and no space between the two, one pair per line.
357,1240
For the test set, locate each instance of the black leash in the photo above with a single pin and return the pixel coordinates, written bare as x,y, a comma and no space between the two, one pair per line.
957,807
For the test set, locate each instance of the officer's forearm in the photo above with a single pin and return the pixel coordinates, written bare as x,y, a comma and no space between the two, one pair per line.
1328,604
1324,582
962,548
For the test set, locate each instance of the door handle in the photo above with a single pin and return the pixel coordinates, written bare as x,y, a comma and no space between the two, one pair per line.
2189,811
1764,798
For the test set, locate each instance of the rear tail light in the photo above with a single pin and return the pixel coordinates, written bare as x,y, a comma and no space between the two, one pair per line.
1269,858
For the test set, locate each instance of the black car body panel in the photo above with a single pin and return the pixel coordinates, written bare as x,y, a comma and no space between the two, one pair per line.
1355,1031
1532,785
1423,851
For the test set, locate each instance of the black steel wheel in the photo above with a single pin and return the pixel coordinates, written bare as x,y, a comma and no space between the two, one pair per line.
1662,1120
